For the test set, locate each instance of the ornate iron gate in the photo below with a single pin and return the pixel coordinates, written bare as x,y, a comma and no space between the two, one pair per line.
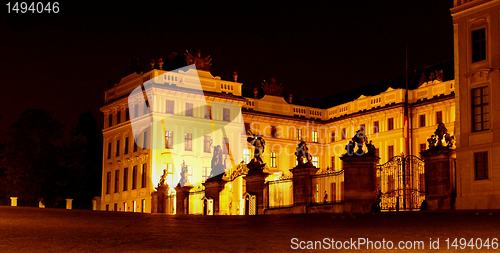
401,183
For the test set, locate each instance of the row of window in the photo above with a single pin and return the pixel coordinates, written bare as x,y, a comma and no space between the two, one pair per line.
422,119
126,146
169,109
125,179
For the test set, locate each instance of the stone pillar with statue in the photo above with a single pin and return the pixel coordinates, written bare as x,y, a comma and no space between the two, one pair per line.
182,192
440,191
214,184
302,178
360,168
159,198
256,177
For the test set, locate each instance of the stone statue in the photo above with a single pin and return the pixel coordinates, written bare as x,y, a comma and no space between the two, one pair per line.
259,144
358,140
440,132
436,140
302,152
432,141
218,164
184,170
371,149
162,179
203,63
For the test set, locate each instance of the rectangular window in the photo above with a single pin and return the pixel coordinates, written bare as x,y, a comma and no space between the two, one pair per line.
143,176
117,180
125,179
135,146
109,150
127,114
110,120
439,117
208,112
136,110
332,162
115,207
390,124
273,160
423,147
315,161
344,134
169,106
246,155
478,37
421,120
134,177
376,127
145,140
143,205
377,152
125,149
188,142
332,136
274,132
207,144
189,110
480,109
225,146
480,165
299,134
226,115
108,182
247,127
117,152
169,139
390,152
118,117
314,136
362,127
206,173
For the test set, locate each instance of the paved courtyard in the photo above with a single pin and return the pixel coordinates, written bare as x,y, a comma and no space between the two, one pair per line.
41,230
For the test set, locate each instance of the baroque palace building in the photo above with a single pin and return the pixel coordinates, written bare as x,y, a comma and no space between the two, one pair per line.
161,124
185,125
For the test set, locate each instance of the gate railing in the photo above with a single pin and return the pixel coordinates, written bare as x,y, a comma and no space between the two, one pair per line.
401,183
280,193
328,187
196,199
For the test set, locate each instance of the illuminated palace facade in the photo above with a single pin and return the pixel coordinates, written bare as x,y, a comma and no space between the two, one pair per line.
186,127
184,119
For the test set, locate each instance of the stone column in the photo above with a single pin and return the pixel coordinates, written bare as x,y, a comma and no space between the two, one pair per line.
13,201
302,185
360,188
69,204
439,180
182,199
213,187
159,199
255,185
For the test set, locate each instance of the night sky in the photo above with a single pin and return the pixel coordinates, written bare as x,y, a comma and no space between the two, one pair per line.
63,62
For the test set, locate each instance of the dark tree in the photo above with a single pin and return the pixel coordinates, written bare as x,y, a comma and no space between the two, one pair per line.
32,158
83,162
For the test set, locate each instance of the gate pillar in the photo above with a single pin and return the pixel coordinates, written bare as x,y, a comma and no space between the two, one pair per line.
302,185
360,188
182,199
255,184
439,171
213,187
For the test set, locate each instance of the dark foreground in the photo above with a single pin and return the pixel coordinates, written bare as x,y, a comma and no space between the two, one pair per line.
41,230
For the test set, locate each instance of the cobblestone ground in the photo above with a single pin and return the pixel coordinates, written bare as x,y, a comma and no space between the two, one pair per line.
42,230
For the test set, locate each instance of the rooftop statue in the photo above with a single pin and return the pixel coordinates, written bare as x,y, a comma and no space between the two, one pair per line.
203,63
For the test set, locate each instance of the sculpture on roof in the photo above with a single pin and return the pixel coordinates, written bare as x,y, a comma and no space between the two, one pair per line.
202,63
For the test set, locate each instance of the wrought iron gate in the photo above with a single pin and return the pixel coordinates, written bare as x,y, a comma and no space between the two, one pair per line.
401,183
